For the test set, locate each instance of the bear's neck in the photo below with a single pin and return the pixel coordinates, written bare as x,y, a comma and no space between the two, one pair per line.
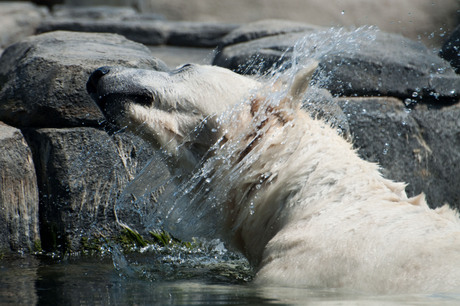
301,170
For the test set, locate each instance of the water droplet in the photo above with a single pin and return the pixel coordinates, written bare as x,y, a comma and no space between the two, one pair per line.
385,148
409,102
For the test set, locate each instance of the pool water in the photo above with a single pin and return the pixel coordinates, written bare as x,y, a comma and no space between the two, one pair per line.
96,280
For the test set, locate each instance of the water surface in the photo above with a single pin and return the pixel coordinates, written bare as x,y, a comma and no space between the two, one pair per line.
96,281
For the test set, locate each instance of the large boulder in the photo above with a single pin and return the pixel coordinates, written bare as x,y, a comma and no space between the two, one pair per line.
19,226
43,78
419,146
356,63
81,172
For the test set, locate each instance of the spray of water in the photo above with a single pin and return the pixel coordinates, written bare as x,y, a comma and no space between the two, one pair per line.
193,204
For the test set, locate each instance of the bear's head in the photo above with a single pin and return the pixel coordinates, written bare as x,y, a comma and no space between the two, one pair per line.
174,110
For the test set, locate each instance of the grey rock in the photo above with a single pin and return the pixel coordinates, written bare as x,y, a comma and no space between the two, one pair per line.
191,34
366,63
197,34
451,49
81,172
43,78
18,20
393,66
93,12
418,146
142,32
19,226
264,28
258,56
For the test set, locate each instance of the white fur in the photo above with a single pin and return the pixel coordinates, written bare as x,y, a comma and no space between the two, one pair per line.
298,201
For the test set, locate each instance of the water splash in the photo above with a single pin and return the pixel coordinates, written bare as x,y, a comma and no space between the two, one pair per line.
196,203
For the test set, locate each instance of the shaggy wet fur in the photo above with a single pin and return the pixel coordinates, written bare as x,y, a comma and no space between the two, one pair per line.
298,201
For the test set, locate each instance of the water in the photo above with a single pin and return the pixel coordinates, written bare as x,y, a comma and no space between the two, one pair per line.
95,281
193,200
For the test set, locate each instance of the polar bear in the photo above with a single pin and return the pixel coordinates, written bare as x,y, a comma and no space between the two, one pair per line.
295,197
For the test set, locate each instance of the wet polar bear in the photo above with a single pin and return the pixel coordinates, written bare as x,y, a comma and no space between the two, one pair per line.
296,199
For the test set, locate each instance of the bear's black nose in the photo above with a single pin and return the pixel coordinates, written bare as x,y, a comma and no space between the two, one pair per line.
91,85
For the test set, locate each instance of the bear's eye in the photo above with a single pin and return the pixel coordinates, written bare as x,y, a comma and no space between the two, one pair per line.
183,68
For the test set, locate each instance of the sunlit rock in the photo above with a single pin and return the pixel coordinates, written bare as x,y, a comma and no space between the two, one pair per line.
43,77
19,228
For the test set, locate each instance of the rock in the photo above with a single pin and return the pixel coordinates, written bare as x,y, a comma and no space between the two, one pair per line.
197,34
193,34
81,172
390,66
19,226
258,56
359,63
451,50
418,146
264,28
43,78
93,12
18,20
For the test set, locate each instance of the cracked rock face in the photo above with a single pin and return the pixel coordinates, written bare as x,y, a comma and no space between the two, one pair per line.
19,226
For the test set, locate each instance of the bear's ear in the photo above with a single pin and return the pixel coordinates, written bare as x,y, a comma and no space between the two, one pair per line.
302,81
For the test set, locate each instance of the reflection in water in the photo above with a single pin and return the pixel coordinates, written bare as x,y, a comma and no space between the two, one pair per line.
95,281
17,280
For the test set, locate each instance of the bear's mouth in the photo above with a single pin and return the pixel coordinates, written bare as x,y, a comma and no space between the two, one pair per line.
114,106
105,101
